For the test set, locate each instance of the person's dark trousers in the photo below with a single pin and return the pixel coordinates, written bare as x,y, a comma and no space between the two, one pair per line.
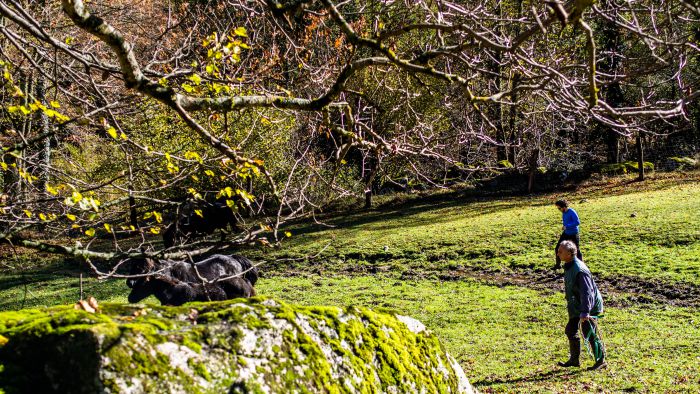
567,237
572,333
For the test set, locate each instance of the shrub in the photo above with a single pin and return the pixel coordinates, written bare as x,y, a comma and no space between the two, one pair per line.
624,168
685,163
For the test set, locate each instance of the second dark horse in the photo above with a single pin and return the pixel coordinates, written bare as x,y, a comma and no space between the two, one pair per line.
198,217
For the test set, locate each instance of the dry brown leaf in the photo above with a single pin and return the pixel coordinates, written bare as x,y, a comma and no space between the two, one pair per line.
193,315
92,302
82,304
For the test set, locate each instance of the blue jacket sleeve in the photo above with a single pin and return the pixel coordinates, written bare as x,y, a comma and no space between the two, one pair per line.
571,221
585,286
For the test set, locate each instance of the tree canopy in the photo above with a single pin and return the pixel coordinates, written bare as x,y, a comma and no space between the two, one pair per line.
114,112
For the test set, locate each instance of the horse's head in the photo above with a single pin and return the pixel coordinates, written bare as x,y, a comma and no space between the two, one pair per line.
142,286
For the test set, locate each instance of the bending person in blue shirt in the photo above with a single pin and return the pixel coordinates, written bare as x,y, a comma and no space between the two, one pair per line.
570,229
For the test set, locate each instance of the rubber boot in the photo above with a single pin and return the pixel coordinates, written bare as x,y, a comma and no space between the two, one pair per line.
574,353
600,363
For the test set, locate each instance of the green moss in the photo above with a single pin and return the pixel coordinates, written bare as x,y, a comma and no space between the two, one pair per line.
186,341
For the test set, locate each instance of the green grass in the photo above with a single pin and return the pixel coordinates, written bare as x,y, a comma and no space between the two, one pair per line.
506,338
509,339
662,241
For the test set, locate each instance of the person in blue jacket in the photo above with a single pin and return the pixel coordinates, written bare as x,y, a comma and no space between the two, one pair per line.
584,305
570,229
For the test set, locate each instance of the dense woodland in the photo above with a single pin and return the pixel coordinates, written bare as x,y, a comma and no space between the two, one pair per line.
114,114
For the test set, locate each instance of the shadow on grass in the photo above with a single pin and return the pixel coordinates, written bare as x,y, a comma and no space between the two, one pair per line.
55,283
476,203
470,207
536,377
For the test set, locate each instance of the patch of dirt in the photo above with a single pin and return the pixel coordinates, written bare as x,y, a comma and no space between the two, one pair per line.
618,290
629,290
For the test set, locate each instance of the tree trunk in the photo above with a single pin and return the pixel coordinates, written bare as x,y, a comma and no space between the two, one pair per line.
26,129
249,189
512,124
611,64
534,158
513,115
45,146
133,215
640,157
497,108
368,185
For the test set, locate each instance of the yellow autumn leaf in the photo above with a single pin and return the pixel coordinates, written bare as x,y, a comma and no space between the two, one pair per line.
51,189
108,227
71,217
155,230
29,214
90,232
42,216
199,213
112,132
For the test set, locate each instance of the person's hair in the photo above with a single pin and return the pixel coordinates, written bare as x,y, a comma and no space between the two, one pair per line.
570,246
562,203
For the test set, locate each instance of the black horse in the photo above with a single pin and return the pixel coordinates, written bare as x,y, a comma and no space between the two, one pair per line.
199,217
215,278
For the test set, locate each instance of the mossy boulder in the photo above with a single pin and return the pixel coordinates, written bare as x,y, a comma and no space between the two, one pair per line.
257,345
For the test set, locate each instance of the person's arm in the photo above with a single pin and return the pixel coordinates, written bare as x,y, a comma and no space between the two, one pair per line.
586,292
574,218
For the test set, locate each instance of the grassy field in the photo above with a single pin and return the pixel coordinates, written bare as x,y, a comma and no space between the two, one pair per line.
637,238
661,241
